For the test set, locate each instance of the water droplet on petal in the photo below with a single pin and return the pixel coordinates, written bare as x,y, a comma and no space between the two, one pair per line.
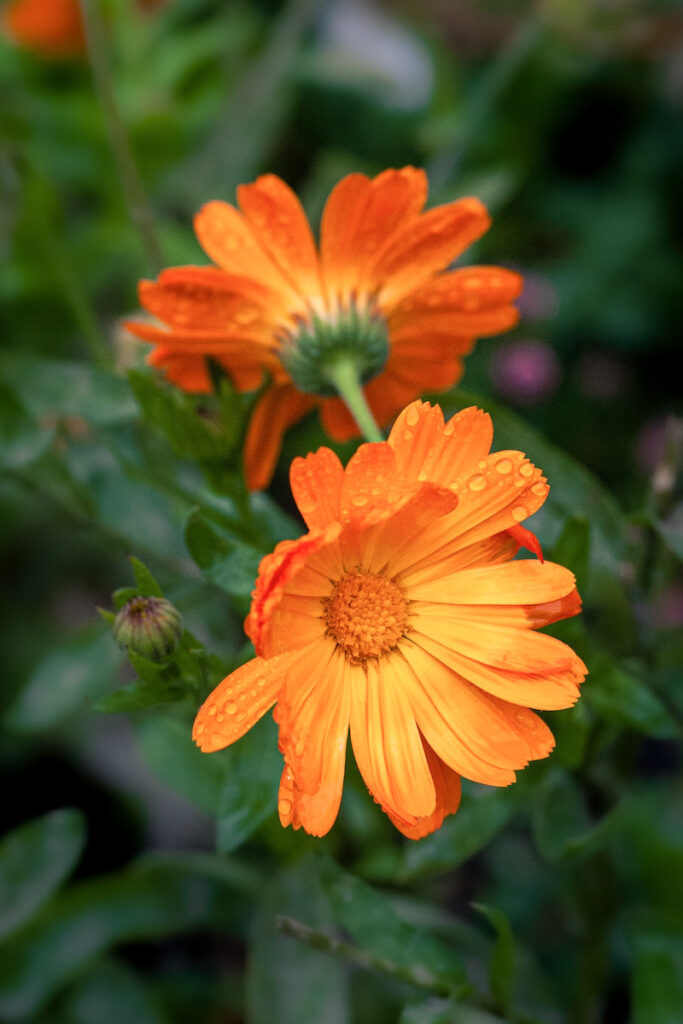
477,482
284,807
412,417
526,469
407,435
539,489
519,512
358,500
482,463
231,707
504,466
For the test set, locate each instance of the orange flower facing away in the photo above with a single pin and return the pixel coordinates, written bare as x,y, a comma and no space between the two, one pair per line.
53,28
400,618
375,292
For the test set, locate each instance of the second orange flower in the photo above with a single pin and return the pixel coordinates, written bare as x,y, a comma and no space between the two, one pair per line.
375,293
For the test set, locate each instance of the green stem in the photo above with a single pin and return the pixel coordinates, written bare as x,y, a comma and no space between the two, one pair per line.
343,376
136,200
419,977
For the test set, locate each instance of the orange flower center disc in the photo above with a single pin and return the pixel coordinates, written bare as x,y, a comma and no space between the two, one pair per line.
366,615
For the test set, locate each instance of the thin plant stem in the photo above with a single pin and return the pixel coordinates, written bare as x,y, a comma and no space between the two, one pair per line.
420,977
136,200
343,376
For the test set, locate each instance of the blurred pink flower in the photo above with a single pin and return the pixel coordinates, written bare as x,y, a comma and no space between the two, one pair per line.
525,371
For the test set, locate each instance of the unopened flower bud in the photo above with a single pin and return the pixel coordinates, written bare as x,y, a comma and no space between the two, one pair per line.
149,626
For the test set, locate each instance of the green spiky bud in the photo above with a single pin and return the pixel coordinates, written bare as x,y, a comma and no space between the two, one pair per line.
356,336
149,626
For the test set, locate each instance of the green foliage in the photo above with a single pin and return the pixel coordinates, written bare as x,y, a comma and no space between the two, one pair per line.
575,871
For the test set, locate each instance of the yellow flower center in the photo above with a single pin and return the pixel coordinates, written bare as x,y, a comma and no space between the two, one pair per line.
366,614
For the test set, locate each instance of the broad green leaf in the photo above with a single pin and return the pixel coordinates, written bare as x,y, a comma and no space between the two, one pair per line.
620,696
248,795
141,903
192,428
22,439
502,963
139,696
145,583
368,916
34,860
482,814
72,674
111,992
574,491
58,387
287,982
572,549
168,748
226,561
562,827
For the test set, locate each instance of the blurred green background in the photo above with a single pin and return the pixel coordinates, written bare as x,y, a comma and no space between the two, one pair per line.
558,900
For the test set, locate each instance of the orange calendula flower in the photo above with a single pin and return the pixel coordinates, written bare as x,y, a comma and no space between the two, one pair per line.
53,28
400,618
374,295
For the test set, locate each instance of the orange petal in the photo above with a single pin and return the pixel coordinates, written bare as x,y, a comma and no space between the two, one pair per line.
316,483
277,219
279,408
426,245
239,701
514,583
313,715
188,372
386,742
205,298
526,539
432,691
447,786
520,616
471,300
359,217
434,563
517,650
230,242
441,452
404,527
276,572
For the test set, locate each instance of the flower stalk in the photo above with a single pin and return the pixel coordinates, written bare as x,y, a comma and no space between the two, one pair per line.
343,376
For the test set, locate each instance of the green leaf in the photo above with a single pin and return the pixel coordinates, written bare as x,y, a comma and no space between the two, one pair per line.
288,982
168,748
561,825
142,903
49,387
657,983
111,992
572,549
192,427
140,695
34,860
123,595
227,561
482,814
442,1011
368,916
620,696
80,670
145,583
573,489
671,531
22,439
502,963
248,795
